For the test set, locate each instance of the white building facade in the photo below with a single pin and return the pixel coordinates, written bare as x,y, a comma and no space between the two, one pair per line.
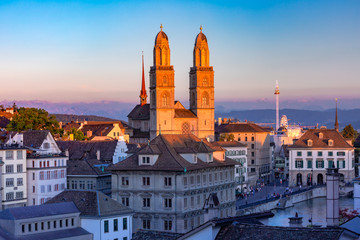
317,150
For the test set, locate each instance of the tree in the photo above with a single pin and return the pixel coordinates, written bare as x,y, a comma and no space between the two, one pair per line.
35,119
227,137
78,134
346,214
349,132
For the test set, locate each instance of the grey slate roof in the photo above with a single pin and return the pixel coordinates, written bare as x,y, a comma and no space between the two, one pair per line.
77,149
60,234
91,203
352,224
170,147
229,144
237,231
86,167
239,127
38,211
34,138
140,112
158,235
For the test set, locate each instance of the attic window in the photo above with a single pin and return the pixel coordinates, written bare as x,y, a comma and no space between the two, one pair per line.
321,135
46,145
195,158
309,143
331,142
210,157
145,160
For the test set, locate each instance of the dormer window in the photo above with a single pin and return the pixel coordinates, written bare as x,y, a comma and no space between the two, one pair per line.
309,143
46,145
210,157
195,158
331,142
145,160
321,135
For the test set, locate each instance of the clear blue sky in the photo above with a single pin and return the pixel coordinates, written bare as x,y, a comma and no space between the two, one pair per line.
91,50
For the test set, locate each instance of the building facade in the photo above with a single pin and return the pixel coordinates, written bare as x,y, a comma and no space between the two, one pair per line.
317,150
13,176
166,115
259,151
100,215
167,182
237,152
50,221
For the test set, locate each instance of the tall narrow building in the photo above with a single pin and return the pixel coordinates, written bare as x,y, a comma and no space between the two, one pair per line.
143,95
162,88
277,93
202,87
336,126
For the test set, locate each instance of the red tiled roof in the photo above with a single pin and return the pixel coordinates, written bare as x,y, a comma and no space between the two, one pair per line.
239,127
313,134
170,147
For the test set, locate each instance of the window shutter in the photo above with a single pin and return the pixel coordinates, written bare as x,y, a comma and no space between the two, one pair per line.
302,164
322,164
343,164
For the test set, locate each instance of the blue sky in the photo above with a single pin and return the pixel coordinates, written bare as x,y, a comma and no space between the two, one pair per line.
91,50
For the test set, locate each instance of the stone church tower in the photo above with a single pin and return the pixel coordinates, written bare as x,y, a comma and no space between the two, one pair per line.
202,88
162,88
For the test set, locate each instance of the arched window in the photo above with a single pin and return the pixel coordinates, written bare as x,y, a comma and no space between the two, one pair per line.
203,54
205,100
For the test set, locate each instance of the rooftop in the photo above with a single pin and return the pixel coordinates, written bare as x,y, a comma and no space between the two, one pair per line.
240,127
91,203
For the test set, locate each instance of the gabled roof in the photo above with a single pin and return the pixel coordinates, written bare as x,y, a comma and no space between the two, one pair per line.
91,203
352,224
98,129
170,147
86,167
38,211
240,127
230,144
140,112
314,135
184,113
34,138
244,231
77,149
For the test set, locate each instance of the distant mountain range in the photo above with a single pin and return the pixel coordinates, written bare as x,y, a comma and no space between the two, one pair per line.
119,110
296,116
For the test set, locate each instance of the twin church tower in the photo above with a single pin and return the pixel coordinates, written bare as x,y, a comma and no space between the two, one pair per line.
164,115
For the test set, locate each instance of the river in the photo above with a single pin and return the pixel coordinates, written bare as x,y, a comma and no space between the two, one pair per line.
314,208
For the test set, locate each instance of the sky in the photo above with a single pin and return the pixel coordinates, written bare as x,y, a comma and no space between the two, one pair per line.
85,51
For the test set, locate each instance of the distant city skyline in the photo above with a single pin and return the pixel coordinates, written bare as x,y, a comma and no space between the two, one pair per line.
64,51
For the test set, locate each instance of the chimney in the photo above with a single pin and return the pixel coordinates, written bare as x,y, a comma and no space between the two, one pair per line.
332,197
98,154
89,133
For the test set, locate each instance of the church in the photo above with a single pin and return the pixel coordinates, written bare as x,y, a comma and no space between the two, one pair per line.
165,115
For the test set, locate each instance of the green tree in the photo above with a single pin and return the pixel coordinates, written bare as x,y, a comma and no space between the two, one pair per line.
78,134
349,132
35,119
227,137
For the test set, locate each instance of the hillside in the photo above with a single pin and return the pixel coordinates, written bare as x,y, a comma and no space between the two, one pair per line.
72,117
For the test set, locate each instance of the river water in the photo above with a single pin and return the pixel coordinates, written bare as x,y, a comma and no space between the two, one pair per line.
314,208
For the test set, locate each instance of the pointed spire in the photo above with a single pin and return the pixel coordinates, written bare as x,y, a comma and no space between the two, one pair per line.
336,117
143,95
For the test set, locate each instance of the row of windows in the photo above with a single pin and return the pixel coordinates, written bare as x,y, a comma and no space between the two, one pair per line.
320,153
40,226
9,182
146,181
9,168
168,224
146,202
246,139
48,163
11,196
319,164
57,187
222,176
235,152
198,201
115,225
9,155
74,184
196,221
48,175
